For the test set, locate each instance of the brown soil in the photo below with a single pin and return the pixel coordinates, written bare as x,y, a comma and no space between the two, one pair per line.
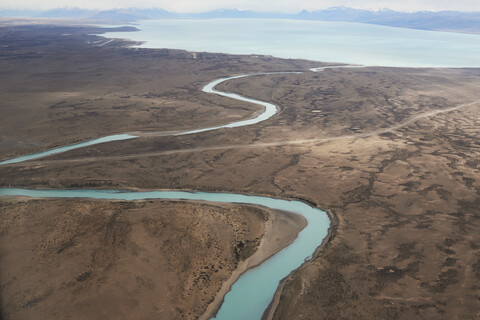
86,259
406,246
79,91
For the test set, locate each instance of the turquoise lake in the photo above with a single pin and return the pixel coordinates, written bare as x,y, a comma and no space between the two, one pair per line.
322,41
344,42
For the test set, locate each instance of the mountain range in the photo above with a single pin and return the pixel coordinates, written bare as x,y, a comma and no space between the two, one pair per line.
468,22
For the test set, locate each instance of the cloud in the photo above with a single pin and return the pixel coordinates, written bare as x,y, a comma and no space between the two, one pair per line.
255,5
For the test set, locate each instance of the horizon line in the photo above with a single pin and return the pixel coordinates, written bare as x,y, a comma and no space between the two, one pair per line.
384,9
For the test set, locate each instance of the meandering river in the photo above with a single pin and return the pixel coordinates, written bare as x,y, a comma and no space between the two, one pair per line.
253,291
251,294
269,111
347,42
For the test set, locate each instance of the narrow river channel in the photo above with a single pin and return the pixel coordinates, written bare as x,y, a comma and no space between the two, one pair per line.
253,291
269,111
251,294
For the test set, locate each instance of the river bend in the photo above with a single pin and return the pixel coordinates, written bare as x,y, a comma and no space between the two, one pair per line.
269,111
251,294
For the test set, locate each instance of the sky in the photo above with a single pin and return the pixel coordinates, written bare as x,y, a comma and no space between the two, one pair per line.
290,6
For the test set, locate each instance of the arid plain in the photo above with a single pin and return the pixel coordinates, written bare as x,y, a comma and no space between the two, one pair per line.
382,149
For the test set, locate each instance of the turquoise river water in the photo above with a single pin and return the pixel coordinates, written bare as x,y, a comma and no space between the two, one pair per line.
269,110
322,41
252,292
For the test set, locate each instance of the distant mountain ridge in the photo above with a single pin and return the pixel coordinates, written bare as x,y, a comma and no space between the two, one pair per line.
426,20
468,22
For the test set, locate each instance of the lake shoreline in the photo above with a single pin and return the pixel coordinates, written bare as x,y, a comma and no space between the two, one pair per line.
372,44
403,201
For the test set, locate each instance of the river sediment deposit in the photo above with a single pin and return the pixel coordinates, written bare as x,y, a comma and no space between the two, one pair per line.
137,259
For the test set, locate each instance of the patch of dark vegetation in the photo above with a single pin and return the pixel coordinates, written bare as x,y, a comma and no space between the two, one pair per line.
243,250
410,185
388,135
388,312
468,181
84,276
442,193
473,163
469,206
32,302
389,274
444,279
116,230
344,255
460,221
476,269
331,288
359,194
425,221
422,307
397,224
66,245
449,262
473,245
450,242
405,251
445,250
422,226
